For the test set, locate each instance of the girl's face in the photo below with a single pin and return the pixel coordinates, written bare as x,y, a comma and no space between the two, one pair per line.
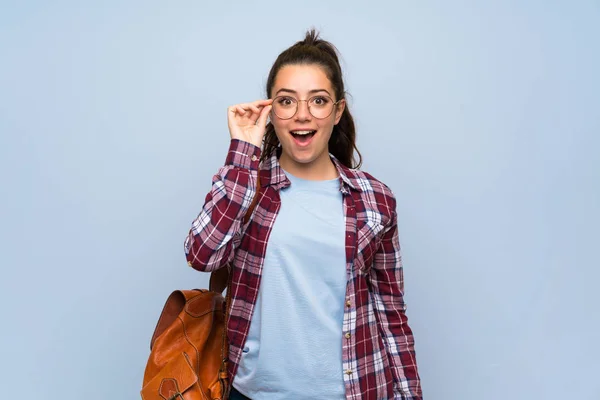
298,83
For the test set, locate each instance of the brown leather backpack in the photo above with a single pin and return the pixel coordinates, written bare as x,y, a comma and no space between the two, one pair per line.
189,349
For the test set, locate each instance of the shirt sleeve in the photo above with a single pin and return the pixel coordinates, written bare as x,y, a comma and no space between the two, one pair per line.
387,282
218,229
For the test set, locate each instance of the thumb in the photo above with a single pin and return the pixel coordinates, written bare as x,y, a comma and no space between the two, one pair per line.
262,119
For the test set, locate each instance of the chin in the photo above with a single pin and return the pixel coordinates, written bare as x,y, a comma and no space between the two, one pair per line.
304,157
304,160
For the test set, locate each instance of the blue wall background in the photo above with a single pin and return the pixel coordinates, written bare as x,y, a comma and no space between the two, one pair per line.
483,117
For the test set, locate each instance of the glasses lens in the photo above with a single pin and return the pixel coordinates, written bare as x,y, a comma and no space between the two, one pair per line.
320,106
285,107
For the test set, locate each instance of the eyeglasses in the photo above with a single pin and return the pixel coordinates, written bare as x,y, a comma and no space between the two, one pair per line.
285,107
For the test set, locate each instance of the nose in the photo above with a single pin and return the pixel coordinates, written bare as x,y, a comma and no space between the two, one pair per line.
303,114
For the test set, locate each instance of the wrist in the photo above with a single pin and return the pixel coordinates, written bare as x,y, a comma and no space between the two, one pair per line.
243,154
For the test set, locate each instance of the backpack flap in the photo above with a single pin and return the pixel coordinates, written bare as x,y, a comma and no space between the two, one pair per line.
172,382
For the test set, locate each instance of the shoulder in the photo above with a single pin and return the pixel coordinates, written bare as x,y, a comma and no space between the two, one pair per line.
375,193
374,183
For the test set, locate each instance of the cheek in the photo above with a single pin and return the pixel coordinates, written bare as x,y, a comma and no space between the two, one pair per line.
280,128
278,124
326,126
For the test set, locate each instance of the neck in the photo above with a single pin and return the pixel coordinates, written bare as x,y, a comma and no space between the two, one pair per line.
320,169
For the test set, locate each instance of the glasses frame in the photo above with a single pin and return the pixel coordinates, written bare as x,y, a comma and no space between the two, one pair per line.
307,104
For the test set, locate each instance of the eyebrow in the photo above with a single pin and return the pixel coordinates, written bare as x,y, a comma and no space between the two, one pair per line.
309,92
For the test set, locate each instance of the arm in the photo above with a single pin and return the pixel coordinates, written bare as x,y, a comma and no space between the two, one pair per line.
218,229
387,287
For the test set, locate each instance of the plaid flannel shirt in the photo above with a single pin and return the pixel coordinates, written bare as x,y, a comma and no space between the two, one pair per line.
378,349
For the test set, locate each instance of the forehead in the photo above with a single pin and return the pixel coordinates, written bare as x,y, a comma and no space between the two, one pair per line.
302,78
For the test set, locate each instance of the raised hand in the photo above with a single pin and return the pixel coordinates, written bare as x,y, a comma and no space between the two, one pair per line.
248,121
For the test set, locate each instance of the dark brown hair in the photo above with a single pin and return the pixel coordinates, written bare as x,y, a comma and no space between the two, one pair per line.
315,51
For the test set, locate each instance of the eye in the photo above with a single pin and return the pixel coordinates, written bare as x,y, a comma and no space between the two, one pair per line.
320,100
286,101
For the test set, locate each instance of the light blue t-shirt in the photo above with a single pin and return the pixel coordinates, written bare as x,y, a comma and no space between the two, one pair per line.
294,346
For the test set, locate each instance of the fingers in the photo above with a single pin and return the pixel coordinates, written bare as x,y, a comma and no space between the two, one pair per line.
238,109
262,119
254,107
262,103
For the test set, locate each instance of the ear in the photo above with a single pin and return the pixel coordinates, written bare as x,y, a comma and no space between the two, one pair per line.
339,110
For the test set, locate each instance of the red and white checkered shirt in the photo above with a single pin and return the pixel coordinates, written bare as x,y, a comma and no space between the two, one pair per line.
378,354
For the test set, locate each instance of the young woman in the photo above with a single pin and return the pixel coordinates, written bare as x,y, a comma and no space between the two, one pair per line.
317,308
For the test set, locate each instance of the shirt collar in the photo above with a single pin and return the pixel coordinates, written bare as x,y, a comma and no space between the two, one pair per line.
271,174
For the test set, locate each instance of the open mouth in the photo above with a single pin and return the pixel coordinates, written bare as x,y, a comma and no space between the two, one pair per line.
303,138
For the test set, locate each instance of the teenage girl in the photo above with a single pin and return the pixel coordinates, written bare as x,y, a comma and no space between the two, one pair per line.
317,305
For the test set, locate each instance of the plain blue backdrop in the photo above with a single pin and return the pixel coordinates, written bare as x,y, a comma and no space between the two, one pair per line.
483,117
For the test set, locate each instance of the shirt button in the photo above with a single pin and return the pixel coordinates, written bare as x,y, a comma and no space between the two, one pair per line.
189,263
348,372
348,304
254,158
348,335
